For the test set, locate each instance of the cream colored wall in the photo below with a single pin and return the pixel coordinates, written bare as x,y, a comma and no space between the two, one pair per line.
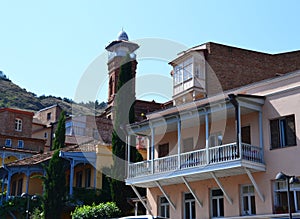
283,159
232,185
226,127
35,184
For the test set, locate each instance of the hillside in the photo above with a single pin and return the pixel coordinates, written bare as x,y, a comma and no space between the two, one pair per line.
11,95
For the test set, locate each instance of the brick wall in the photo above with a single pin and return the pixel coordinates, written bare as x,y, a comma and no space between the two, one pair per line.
235,67
7,121
29,143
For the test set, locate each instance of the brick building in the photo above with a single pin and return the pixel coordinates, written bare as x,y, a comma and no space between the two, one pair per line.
16,138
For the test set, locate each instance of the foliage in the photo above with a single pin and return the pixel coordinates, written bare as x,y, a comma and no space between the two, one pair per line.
103,210
17,205
37,213
55,187
90,196
124,114
60,133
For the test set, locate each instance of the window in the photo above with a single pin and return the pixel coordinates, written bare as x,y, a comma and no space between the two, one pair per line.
13,188
283,132
45,135
189,206
75,128
48,116
280,197
183,71
215,139
188,144
20,144
18,125
20,187
248,200
246,135
8,142
217,203
164,207
163,150
87,182
79,179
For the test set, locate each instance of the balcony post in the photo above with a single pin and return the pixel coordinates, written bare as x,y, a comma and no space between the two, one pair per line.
128,139
207,137
239,130
152,148
71,177
8,185
261,136
179,140
235,103
27,180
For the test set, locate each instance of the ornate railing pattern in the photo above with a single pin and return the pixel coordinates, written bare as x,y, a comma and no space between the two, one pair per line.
198,158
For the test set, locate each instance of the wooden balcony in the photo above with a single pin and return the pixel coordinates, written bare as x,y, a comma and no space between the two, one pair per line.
224,160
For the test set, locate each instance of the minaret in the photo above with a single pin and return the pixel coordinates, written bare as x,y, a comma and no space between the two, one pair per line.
117,51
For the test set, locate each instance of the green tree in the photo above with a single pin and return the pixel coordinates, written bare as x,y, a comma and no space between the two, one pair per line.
55,187
123,114
60,133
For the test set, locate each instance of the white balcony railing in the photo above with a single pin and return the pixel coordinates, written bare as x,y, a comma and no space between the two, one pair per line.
198,158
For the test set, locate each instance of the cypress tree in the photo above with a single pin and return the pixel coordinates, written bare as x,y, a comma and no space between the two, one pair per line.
123,114
55,187
60,133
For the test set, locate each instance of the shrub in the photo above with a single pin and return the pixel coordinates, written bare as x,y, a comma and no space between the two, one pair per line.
101,211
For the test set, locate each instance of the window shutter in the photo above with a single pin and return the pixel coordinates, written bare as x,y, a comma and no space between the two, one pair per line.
290,130
275,141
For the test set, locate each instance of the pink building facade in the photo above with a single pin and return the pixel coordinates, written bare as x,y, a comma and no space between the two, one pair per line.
217,156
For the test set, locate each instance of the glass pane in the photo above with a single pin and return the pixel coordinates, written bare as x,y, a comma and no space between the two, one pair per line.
251,189
298,200
163,200
246,205
167,212
193,210
221,204
217,192
214,208
162,211
187,210
253,208
245,189
188,196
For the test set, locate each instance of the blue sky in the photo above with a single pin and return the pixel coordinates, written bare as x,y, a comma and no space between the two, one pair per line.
46,46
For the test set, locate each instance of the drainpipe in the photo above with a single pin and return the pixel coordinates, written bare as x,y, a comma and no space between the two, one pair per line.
234,102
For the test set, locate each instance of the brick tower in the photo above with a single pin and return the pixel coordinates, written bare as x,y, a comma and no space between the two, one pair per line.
117,51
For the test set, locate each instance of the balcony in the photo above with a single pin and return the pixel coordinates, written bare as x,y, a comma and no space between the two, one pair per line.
225,160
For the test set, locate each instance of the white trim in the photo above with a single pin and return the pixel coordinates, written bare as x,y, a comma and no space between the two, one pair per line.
141,199
261,196
192,192
222,188
165,194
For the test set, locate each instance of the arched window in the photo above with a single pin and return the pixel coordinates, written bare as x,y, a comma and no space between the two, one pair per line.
18,124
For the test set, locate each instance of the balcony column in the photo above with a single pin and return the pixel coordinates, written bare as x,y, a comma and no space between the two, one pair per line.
3,158
8,185
71,177
2,190
239,130
27,180
261,136
235,103
207,137
152,148
128,139
179,141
